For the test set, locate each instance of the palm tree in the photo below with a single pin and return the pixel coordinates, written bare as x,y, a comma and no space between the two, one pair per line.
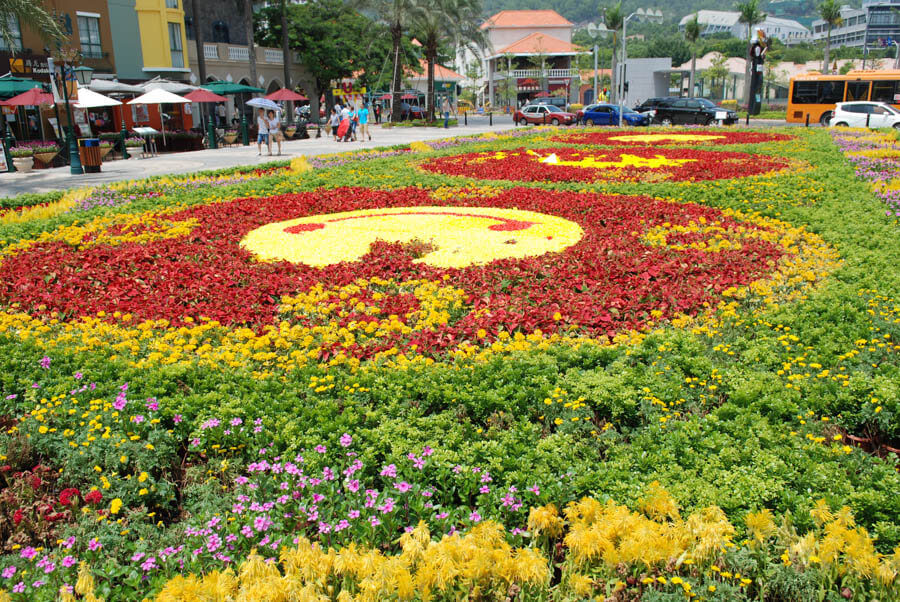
30,14
692,34
440,22
830,11
750,15
397,15
251,46
614,19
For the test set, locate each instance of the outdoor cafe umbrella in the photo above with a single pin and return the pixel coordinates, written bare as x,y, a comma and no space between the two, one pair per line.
542,94
11,85
159,97
31,98
221,87
285,94
201,95
88,99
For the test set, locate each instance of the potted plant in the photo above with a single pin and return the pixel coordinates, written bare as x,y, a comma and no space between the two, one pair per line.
134,143
45,152
230,136
105,147
22,158
290,130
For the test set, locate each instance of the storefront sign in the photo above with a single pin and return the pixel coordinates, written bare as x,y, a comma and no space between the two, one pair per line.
29,65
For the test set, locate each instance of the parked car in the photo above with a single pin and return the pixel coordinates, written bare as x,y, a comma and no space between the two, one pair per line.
691,111
651,104
579,114
542,113
607,114
862,114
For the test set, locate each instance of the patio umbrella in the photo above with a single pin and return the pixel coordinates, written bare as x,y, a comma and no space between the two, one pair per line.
11,85
109,86
285,94
159,83
159,97
229,88
201,95
88,99
408,97
384,97
542,95
33,97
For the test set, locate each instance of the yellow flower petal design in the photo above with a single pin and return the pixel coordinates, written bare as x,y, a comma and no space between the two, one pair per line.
644,138
458,236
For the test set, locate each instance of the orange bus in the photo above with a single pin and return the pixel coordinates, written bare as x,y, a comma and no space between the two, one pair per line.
815,94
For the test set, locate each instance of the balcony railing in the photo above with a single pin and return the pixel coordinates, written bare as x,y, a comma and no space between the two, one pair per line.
238,53
536,73
272,55
211,52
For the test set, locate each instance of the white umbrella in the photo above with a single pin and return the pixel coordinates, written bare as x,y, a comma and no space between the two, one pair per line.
88,99
159,97
263,103
110,86
158,83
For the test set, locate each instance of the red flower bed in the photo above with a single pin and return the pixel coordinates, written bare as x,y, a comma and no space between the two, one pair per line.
712,137
622,164
610,280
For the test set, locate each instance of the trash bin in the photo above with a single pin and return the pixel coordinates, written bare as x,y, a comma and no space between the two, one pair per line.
89,153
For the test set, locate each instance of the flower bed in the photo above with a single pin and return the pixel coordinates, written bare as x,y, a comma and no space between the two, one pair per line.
676,137
357,377
562,164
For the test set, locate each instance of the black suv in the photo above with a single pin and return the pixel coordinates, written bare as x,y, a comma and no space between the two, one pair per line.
691,111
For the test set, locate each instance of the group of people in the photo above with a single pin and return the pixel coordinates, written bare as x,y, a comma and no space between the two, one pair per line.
347,122
269,130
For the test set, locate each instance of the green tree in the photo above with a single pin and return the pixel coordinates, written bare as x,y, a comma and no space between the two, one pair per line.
614,19
830,12
692,34
750,15
446,22
397,16
29,14
717,70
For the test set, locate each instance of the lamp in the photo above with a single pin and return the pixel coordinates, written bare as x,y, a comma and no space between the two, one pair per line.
654,16
83,75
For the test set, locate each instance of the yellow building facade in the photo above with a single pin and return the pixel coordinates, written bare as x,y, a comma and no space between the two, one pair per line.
163,38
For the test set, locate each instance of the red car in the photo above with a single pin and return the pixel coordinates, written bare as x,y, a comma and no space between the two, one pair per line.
541,114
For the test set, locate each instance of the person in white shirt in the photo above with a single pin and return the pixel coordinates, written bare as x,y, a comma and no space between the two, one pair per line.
262,135
275,130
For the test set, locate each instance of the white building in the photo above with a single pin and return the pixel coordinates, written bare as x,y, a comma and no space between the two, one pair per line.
711,22
876,20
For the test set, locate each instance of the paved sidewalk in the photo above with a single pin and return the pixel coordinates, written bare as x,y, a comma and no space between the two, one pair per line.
46,180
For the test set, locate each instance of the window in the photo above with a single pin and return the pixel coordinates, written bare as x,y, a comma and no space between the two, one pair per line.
171,3
175,45
89,33
220,32
16,34
857,91
827,92
189,28
884,91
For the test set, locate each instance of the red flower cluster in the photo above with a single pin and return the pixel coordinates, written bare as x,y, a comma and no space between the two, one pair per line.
68,495
722,137
93,497
609,281
526,166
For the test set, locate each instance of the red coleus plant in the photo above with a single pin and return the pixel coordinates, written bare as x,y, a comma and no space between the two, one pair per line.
637,164
608,281
30,510
703,137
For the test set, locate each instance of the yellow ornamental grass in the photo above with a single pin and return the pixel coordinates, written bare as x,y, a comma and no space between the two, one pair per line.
760,524
419,147
545,520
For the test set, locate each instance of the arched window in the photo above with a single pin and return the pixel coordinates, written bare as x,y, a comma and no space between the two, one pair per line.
220,32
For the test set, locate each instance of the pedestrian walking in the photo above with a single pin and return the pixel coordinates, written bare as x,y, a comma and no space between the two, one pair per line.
262,133
363,115
445,109
335,122
220,114
275,131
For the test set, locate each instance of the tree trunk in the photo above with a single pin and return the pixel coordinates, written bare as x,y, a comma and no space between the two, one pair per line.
693,72
201,59
396,39
827,67
429,100
251,46
613,73
747,67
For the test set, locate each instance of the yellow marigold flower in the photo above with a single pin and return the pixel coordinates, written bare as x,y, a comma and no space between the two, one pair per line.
115,506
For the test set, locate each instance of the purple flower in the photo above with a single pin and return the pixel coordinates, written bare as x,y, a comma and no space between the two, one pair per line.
79,376
389,471
19,587
176,418
45,363
485,489
137,419
353,485
351,514
475,517
68,561
120,402
324,527
427,451
9,571
94,545
535,490
374,521
387,507
152,404
236,422
149,564
346,440
28,553
137,556
321,449
403,486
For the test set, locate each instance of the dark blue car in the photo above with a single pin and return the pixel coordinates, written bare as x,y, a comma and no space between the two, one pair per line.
608,114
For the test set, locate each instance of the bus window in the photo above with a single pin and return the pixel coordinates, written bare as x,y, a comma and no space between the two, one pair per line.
884,91
808,93
857,91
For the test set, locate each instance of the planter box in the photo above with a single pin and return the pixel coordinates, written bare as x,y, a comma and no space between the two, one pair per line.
23,164
46,158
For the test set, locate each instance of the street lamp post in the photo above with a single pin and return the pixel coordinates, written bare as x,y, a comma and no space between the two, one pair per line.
597,32
649,15
83,76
